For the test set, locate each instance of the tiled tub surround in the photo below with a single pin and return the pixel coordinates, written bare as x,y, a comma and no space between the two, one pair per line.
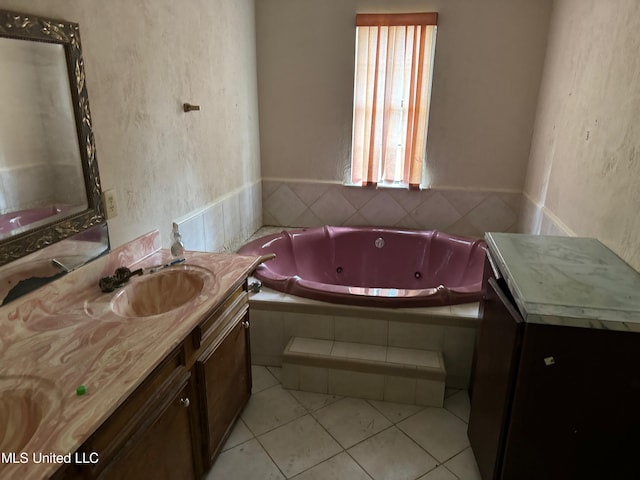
66,334
465,212
223,225
376,372
276,317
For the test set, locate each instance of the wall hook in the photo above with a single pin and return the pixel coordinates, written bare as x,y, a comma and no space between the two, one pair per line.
190,108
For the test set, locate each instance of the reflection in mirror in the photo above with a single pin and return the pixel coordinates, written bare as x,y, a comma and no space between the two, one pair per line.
38,269
50,186
40,167
51,214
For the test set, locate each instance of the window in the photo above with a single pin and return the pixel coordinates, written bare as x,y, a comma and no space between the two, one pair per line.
392,89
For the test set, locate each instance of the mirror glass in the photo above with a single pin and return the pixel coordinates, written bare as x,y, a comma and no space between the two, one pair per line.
40,167
49,180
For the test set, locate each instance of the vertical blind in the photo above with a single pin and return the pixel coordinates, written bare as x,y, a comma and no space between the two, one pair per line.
393,72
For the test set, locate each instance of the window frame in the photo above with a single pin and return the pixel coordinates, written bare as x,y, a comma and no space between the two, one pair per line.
368,139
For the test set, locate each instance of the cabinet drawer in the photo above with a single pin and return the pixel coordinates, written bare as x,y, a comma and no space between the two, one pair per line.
210,328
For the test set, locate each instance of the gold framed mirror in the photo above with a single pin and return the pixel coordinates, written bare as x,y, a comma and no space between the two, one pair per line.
49,179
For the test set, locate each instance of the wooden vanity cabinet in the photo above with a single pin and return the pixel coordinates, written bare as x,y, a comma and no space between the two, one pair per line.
223,372
152,434
174,424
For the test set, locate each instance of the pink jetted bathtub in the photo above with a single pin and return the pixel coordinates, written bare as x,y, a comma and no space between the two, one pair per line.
369,266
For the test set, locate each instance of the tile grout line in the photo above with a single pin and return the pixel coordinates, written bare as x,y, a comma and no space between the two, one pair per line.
312,413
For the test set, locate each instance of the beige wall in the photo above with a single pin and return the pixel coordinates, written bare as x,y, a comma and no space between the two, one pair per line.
489,58
584,165
143,60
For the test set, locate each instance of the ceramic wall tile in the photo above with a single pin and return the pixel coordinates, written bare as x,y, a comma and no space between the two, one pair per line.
313,379
436,213
351,384
226,224
400,389
214,228
192,231
429,393
308,325
462,212
266,333
361,330
332,208
416,335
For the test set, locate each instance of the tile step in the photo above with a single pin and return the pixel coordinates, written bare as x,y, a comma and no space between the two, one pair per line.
375,372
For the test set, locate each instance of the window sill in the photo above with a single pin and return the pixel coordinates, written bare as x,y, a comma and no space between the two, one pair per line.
393,186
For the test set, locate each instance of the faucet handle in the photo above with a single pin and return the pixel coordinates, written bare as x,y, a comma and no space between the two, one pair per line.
121,275
107,284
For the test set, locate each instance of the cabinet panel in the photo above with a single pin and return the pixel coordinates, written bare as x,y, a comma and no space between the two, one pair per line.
162,448
224,383
575,413
498,349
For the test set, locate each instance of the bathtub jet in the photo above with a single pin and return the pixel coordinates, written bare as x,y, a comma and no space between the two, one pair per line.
370,266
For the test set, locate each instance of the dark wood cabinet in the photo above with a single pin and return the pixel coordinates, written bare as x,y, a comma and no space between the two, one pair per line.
552,401
498,343
162,450
174,424
133,442
223,374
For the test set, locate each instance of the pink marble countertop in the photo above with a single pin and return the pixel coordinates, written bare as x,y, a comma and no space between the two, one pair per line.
65,335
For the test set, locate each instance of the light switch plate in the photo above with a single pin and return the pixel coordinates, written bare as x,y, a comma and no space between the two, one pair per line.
110,204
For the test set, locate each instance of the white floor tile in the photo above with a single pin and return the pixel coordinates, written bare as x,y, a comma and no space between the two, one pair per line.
438,431
464,466
299,445
450,391
440,473
239,434
271,408
340,467
395,412
262,379
313,401
276,372
247,461
293,443
459,405
351,420
391,455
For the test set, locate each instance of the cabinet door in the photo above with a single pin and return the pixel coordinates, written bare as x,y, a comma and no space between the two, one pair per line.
575,409
162,448
498,349
223,373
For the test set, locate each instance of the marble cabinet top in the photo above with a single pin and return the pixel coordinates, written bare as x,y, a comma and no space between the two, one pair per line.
568,281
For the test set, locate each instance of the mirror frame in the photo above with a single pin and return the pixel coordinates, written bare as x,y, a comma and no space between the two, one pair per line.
34,28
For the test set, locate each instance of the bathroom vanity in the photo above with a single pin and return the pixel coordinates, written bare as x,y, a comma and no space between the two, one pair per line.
163,388
556,384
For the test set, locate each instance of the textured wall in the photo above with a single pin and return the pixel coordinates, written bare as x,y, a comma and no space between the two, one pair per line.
584,165
143,60
488,63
